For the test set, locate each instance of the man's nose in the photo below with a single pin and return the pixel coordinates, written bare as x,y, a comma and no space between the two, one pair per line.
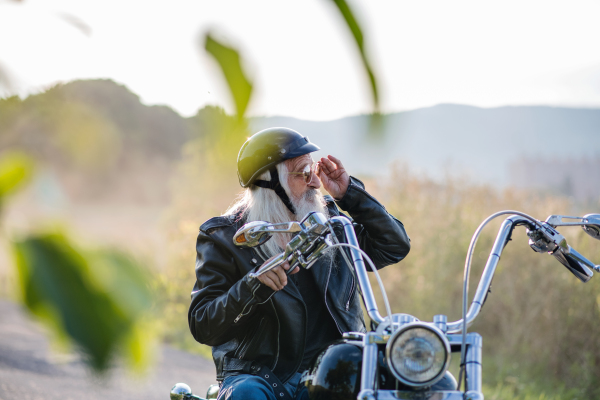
314,182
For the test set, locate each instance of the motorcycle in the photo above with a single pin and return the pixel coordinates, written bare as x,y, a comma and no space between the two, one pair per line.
402,357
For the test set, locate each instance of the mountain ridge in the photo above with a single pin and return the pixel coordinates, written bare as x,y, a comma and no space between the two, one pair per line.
490,145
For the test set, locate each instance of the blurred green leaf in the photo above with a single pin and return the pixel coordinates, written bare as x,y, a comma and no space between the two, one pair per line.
97,300
15,170
356,31
229,61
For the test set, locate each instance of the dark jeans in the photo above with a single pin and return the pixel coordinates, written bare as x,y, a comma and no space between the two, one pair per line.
245,387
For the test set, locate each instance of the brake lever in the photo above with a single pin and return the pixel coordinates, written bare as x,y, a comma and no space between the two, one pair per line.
546,239
294,256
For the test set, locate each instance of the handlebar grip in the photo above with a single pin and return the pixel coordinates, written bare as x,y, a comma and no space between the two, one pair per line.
576,263
274,263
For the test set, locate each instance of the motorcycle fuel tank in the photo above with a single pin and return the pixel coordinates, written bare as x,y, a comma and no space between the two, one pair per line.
335,373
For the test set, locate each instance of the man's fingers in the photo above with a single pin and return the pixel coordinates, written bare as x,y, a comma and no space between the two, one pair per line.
276,278
336,161
288,272
266,280
286,266
327,166
281,276
322,172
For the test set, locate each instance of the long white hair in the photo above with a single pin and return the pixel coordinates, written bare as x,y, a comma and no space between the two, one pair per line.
260,204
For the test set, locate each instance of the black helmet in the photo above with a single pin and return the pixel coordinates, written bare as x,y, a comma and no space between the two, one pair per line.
267,148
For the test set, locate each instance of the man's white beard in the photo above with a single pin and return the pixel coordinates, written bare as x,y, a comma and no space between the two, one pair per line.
311,200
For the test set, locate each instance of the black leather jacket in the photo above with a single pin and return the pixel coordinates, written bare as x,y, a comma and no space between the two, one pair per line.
243,319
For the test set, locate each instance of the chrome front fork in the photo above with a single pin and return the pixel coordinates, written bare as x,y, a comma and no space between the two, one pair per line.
368,384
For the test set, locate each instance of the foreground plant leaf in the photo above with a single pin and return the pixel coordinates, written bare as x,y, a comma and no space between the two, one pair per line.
15,170
97,300
356,31
229,62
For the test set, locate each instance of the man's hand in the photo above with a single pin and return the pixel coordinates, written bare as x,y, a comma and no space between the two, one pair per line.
276,278
333,176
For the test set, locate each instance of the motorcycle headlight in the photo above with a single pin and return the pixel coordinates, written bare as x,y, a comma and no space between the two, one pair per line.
418,354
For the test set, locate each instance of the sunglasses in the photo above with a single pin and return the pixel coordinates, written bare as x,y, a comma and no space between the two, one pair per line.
307,171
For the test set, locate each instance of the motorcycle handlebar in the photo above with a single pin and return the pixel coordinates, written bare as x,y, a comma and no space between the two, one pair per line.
577,264
483,287
269,265
569,257
292,255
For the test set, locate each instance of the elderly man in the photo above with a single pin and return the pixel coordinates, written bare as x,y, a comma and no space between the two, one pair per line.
265,331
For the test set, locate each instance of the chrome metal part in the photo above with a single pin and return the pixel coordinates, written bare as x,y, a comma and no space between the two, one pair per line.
592,225
471,395
369,366
250,235
212,392
575,262
275,262
441,322
367,395
302,250
353,336
557,220
180,391
361,271
403,319
406,395
422,327
473,362
589,222
257,233
315,221
546,239
488,273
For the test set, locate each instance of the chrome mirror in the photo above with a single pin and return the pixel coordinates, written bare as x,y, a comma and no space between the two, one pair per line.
258,232
592,225
251,234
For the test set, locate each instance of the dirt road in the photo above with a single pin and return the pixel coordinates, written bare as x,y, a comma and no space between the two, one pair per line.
29,370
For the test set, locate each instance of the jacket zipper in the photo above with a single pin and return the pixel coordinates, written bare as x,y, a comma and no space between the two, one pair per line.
248,304
253,294
352,290
278,331
327,305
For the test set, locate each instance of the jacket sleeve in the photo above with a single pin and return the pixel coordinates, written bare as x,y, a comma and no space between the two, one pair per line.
379,234
221,294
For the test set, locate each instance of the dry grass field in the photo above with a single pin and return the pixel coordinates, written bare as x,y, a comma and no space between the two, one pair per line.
541,326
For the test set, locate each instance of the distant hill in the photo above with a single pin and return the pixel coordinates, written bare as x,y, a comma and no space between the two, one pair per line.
538,147
80,108
99,140
548,148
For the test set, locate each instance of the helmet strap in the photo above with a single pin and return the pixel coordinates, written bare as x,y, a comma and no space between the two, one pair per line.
275,185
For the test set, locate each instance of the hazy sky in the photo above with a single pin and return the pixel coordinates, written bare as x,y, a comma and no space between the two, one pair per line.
301,58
